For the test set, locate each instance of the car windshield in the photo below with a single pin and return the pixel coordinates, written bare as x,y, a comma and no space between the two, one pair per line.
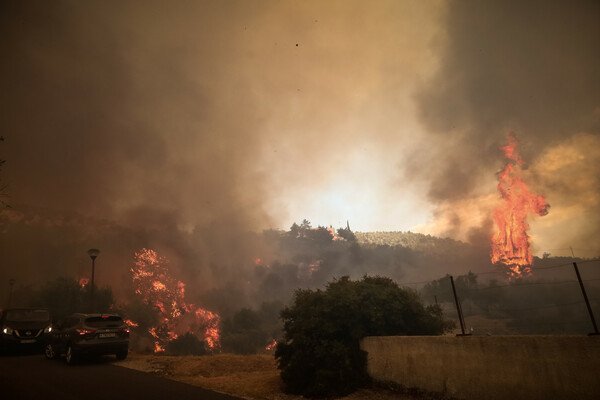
27,315
105,321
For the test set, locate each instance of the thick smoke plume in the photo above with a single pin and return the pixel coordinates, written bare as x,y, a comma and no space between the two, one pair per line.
529,67
182,128
188,128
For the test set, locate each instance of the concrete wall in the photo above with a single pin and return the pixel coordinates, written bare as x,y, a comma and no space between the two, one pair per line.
490,367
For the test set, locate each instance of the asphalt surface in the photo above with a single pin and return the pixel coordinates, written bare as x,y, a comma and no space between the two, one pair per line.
26,377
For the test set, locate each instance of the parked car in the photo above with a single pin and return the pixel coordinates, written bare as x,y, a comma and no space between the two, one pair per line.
24,328
88,334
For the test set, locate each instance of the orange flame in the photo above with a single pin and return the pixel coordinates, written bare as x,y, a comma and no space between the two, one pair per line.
271,345
153,283
510,243
83,282
131,323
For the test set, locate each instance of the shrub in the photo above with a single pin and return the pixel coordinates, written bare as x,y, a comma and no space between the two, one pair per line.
187,344
320,354
64,296
243,334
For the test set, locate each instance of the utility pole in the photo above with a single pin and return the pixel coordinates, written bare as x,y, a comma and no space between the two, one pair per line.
458,310
587,302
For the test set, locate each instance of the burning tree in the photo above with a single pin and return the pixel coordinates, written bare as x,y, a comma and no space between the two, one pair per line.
155,286
510,242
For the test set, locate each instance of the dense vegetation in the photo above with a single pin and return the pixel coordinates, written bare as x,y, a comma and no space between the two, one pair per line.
540,304
415,241
252,289
320,354
186,345
249,331
64,296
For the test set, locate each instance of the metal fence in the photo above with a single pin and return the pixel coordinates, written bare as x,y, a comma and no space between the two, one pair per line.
563,298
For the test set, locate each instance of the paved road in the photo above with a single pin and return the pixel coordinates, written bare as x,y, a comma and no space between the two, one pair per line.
27,377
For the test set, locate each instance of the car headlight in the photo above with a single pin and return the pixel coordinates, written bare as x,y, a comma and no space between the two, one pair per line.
48,329
7,330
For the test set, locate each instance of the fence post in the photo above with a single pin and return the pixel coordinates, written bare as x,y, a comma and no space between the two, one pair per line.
587,302
459,310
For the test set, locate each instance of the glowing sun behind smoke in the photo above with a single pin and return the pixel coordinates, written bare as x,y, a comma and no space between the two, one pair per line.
510,242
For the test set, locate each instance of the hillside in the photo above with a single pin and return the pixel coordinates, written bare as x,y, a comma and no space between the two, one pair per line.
411,240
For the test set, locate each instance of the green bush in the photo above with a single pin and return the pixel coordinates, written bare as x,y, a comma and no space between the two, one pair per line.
243,333
320,354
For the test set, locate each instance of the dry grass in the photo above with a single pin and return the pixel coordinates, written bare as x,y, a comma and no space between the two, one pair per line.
254,377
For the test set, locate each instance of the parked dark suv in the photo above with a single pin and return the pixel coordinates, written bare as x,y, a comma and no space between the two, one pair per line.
93,334
24,328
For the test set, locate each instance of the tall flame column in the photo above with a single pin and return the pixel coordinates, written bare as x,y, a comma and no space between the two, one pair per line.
510,243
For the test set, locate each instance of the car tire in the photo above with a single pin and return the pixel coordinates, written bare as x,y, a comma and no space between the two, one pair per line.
70,357
121,355
49,352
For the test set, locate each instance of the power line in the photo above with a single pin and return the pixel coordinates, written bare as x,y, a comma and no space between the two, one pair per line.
499,271
538,308
415,283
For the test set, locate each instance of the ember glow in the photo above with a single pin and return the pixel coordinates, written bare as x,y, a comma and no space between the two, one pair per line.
156,287
510,243
271,345
130,323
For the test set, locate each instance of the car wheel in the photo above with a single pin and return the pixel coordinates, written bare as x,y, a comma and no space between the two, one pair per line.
70,356
121,355
49,351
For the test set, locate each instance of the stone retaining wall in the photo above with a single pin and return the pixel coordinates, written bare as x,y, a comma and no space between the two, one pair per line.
490,367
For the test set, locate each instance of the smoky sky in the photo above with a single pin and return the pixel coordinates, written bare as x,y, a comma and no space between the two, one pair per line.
183,127
207,112
102,115
528,67
531,67
186,125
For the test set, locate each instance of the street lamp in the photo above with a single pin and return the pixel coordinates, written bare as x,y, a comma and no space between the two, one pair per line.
93,253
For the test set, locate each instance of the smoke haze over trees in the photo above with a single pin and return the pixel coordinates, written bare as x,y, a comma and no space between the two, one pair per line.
308,258
203,131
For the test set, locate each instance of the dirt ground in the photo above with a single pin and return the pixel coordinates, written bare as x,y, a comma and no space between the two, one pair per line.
253,377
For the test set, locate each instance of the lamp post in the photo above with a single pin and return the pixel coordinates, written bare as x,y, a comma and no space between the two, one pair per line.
93,253
11,282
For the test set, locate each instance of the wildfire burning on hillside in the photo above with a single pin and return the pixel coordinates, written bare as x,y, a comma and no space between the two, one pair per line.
156,287
510,243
